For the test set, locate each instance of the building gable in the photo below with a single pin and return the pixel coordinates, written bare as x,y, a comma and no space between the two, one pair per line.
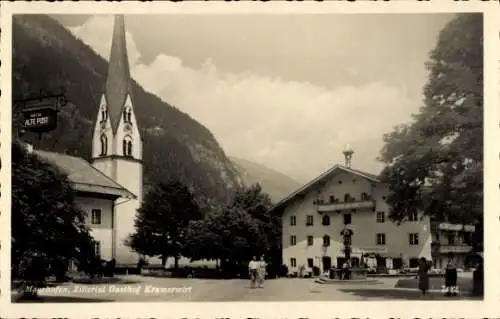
323,179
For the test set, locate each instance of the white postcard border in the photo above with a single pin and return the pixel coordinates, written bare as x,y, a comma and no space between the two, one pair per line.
382,309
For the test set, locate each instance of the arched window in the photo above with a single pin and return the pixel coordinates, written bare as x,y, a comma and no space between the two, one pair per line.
124,146
104,145
103,115
127,146
129,116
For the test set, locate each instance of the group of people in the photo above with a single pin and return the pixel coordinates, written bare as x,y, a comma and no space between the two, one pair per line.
450,277
257,272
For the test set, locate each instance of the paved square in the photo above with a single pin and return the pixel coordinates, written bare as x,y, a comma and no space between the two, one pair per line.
141,289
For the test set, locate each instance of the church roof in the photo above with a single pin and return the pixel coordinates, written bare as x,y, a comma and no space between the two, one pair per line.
322,178
118,83
83,176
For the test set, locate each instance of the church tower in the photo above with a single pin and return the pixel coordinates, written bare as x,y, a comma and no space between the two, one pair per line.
117,143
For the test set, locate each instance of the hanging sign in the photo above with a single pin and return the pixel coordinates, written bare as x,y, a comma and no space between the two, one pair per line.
40,115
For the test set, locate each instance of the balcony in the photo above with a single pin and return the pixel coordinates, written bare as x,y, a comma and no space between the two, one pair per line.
456,227
335,205
456,249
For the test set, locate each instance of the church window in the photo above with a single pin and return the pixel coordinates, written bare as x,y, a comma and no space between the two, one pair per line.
104,145
127,116
127,146
104,115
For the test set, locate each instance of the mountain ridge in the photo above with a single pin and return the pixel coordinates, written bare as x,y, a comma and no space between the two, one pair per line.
276,184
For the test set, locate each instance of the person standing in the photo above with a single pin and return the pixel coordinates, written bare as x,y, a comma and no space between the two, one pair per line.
262,271
450,277
253,267
423,276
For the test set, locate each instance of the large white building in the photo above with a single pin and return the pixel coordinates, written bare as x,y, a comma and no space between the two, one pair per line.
109,189
314,216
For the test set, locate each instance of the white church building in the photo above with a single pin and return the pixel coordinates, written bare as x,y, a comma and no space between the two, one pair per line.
110,188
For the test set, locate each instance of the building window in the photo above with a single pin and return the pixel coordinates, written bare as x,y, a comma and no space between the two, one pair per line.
293,220
364,196
309,220
451,239
310,240
326,241
293,240
127,146
104,115
104,145
347,198
293,262
413,217
347,219
325,220
468,239
96,217
380,217
97,248
127,116
310,262
413,239
380,239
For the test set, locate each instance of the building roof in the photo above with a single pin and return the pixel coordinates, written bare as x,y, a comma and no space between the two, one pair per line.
84,177
118,83
321,179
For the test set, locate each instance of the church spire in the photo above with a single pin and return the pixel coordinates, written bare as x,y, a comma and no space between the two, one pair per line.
118,82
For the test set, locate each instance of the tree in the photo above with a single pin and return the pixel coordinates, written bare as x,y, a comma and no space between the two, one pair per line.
435,164
230,235
162,221
48,230
235,233
257,204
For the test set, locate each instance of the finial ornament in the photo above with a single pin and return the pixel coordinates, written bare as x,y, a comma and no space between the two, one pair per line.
348,152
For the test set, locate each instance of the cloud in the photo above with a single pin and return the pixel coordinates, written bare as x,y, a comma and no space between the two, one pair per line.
295,127
298,128
97,32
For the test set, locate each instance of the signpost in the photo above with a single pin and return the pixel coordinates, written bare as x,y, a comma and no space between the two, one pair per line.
40,114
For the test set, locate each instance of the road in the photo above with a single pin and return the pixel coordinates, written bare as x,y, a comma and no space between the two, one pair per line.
141,289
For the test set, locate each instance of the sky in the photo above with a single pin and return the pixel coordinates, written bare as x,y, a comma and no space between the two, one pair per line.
286,91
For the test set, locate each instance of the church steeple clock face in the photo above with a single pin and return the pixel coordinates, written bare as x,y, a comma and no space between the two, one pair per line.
127,128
